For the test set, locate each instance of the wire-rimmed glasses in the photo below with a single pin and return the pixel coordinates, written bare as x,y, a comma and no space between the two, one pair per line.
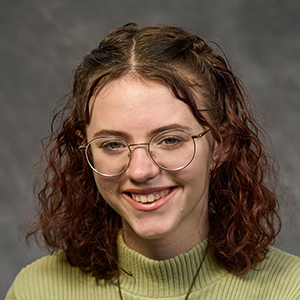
171,150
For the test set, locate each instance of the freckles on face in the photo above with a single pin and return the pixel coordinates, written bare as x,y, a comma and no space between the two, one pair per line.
135,111
195,179
107,189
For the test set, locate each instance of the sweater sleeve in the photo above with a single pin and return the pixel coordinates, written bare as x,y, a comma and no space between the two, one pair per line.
42,279
10,294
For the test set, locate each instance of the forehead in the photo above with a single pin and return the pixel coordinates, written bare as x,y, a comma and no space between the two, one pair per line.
134,104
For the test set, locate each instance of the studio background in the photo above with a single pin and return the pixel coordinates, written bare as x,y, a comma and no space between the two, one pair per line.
43,40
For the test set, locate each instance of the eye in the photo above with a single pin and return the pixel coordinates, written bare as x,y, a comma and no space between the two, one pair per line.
112,145
108,146
169,142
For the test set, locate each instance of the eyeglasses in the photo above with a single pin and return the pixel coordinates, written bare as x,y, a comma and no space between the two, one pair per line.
171,150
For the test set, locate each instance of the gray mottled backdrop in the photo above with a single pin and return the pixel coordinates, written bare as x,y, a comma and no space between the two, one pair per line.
41,41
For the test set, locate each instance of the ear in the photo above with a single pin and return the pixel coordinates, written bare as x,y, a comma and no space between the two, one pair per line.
80,137
221,154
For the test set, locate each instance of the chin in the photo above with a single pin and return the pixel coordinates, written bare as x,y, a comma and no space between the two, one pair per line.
151,232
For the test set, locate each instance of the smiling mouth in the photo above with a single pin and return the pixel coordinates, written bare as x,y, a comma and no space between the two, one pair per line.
149,198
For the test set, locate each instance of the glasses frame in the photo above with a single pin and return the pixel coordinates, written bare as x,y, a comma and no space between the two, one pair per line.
130,150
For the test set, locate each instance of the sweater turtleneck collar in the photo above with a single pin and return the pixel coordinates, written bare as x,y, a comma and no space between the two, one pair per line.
166,278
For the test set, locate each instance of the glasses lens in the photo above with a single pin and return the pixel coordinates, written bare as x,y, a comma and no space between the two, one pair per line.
108,156
172,150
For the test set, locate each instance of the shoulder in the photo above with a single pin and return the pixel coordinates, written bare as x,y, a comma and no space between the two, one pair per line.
48,267
51,277
282,263
277,277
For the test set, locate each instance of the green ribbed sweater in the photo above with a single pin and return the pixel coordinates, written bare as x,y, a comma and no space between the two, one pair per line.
52,278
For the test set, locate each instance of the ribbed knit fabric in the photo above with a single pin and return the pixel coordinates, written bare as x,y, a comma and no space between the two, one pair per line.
52,278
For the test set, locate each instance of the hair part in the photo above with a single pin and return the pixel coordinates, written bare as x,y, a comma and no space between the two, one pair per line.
73,216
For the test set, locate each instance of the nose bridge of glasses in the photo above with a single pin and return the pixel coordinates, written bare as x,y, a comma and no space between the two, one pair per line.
140,162
132,147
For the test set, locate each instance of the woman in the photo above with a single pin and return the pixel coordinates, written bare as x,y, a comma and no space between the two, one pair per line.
157,185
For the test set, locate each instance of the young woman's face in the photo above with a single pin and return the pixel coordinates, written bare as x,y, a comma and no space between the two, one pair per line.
135,110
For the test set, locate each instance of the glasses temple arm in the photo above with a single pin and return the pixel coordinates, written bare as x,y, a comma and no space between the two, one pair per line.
200,134
82,146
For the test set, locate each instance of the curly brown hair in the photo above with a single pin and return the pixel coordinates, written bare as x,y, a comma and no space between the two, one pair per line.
243,208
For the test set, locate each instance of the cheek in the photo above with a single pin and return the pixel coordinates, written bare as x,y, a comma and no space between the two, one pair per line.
108,190
199,168
106,187
196,176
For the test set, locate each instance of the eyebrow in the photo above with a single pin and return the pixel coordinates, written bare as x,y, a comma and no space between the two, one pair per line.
107,132
171,126
126,136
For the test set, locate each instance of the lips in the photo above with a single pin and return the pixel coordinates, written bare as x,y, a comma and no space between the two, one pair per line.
149,198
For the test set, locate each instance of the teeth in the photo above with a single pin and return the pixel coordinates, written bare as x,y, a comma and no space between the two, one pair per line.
143,199
151,197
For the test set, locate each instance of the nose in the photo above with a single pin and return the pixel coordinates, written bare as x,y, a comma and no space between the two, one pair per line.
141,166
